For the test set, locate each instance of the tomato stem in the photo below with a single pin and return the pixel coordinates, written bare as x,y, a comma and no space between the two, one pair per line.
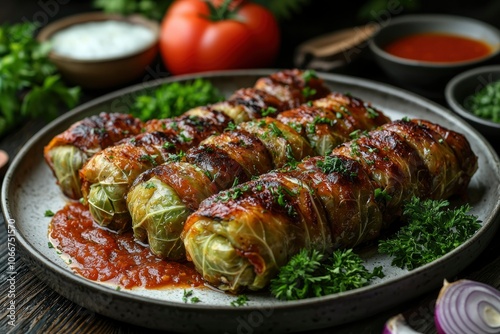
222,12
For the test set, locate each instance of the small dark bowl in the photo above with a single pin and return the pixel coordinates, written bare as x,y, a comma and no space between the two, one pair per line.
430,78
102,73
466,84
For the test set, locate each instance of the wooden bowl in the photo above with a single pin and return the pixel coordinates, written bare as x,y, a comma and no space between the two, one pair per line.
102,73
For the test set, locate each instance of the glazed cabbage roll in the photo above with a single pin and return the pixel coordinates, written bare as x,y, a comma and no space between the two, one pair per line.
67,152
251,149
220,161
243,240
293,87
239,238
347,195
105,191
160,201
108,175
333,120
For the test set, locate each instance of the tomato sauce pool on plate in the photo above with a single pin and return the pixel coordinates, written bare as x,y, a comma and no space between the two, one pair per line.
101,255
438,47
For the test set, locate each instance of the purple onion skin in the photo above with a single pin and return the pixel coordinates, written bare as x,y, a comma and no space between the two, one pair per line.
465,307
398,325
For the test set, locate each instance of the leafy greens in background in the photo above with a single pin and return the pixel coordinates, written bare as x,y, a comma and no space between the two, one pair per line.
154,9
30,86
282,9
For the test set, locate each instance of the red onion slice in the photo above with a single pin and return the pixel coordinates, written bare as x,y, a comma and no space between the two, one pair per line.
466,307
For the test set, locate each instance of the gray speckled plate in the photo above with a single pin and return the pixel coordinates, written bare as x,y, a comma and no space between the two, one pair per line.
29,189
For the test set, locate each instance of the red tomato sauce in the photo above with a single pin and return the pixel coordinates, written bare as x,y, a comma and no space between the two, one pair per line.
436,47
101,255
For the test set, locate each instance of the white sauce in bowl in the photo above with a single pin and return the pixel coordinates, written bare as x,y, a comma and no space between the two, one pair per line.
101,40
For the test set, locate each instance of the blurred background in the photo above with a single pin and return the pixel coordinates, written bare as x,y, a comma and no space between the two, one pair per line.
299,20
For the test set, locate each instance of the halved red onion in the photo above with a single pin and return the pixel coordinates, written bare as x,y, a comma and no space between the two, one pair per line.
466,307
398,325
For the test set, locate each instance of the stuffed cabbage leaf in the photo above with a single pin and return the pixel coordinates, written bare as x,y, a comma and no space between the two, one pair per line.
67,152
353,193
253,148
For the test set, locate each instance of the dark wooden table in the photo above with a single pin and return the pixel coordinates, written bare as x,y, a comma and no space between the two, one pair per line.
40,310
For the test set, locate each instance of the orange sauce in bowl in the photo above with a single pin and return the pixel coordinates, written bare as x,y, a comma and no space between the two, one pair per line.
438,47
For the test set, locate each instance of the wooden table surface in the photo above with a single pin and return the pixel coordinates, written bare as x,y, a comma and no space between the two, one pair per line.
41,310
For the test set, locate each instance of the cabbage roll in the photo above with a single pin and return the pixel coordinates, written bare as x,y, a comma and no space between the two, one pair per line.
333,120
239,238
251,149
67,152
257,147
108,177
242,236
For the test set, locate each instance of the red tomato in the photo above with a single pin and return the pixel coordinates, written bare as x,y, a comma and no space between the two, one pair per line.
191,41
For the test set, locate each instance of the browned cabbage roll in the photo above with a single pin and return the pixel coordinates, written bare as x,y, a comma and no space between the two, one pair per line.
239,238
67,152
107,177
161,199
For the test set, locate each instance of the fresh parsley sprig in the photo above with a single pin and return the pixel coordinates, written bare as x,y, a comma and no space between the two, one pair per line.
242,300
433,230
30,85
173,99
309,274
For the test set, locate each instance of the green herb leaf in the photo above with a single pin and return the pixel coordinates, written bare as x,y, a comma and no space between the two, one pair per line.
309,274
49,213
186,295
30,86
486,102
432,231
240,301
173,99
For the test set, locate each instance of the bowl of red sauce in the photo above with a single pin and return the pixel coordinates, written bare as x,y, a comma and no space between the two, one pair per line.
423,52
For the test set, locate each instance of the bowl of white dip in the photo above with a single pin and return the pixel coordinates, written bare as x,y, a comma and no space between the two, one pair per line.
102,51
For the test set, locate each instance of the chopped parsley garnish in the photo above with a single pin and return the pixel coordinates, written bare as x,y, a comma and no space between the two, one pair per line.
240,301
355,134
324,120
381,194
291,161
176,157
184,138
168,145
310,274
279,193
433,230
372,113
307,75
331,164
49,213
149,158
308,92
268,111
296,126
230,127
275,130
